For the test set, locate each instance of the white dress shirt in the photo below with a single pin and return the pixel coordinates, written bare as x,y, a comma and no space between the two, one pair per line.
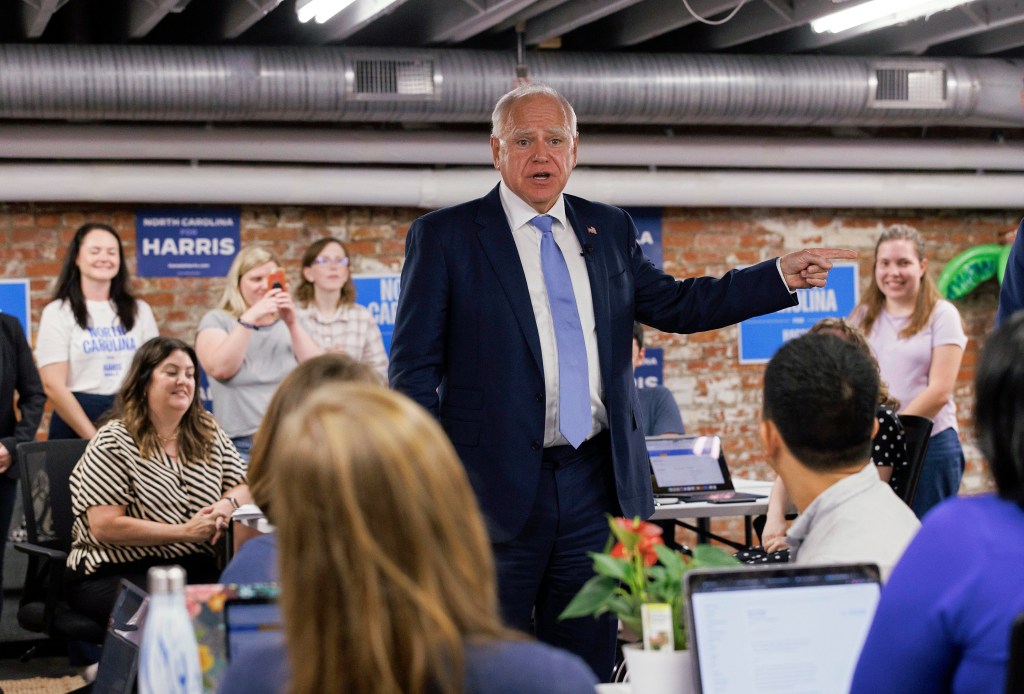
527,239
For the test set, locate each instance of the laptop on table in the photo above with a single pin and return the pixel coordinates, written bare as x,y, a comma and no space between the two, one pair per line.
779,630
692,468
119,659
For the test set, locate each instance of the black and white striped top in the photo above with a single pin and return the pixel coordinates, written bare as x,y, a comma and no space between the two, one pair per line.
112,472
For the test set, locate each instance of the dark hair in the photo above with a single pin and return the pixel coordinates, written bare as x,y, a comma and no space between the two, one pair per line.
999,407
843,329
638,334
197,427
304,292
821,393
69,282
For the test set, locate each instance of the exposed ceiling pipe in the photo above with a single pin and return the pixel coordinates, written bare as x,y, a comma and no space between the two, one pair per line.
328,146
337,84
430,188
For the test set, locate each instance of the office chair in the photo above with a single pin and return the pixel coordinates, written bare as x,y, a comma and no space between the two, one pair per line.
917,432
46,496
1015,663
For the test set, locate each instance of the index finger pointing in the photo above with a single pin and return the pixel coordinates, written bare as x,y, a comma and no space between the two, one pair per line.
833,253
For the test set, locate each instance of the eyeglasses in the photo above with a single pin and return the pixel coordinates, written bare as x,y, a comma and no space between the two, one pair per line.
322,260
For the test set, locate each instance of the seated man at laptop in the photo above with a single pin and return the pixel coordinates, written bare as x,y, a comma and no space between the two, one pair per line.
820,395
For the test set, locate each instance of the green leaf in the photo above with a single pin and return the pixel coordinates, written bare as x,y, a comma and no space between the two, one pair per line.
592,598
611,567
708,556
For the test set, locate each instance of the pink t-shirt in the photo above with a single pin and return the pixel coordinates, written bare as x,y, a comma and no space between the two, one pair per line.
905,362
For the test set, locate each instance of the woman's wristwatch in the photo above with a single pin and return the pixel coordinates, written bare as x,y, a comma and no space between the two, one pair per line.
232,501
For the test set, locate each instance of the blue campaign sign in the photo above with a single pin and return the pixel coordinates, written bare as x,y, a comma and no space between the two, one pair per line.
650,373
379,294
760,337
186,242
14,301
648,231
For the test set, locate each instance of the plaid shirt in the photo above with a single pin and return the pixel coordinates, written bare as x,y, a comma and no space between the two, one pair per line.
351,330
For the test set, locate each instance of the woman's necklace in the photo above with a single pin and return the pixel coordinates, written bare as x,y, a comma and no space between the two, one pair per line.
168,439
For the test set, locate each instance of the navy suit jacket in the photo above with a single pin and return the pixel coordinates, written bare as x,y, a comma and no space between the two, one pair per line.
466,345
18,374
1011,294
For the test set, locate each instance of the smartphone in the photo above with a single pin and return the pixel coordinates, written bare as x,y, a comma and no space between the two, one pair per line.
276,279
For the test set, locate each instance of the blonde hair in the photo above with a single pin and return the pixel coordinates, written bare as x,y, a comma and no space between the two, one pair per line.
842,328
249,257
927,296
332,367
385,564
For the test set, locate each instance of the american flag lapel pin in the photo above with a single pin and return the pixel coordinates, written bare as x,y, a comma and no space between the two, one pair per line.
591,230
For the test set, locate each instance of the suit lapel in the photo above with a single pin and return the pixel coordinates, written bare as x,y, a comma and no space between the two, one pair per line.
599,288
500,249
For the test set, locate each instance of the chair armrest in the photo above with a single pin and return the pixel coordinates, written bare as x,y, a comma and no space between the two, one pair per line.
40,551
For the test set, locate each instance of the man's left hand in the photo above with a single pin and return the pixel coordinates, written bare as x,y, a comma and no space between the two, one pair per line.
809,267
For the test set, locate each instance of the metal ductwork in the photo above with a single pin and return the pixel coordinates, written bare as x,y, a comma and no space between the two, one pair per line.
154,83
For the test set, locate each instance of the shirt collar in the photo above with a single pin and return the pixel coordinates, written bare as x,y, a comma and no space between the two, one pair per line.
833,497
519,212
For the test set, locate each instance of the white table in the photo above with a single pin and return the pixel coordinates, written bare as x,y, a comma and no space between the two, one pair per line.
703,511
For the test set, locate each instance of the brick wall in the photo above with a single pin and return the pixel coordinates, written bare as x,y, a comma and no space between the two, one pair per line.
715,393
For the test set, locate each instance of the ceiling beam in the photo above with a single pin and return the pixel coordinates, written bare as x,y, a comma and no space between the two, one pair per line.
528,13
240,15
761,20
36,14
1005,38
143,15
652,18
918,36
356,17
453,23
563,19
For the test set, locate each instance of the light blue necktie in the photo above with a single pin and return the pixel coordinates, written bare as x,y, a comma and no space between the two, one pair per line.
574,419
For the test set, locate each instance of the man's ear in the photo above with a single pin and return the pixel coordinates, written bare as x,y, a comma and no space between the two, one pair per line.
770,438
874,428
575,149
496,151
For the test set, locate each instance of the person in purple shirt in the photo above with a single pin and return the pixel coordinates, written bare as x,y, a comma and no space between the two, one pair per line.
388,584
944,619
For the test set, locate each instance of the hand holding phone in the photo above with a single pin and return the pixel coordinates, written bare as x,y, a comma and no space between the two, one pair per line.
276,280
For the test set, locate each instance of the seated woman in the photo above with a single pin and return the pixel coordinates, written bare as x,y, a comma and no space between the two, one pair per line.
888,449
943,623
157,484
387,579
256,560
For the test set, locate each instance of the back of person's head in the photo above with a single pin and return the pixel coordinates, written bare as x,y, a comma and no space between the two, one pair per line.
999,407
842,328
248,258
821,393
385,563
331,367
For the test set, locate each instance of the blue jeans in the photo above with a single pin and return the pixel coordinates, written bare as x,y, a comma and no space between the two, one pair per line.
940,475
243,444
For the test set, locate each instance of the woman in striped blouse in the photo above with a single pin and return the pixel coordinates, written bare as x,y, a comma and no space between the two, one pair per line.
157,484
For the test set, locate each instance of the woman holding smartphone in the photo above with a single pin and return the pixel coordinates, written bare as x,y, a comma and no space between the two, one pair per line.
249,342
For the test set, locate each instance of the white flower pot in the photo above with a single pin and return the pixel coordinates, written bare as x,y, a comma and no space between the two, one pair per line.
658,672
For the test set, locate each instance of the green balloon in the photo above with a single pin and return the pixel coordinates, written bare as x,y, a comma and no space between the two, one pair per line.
969,269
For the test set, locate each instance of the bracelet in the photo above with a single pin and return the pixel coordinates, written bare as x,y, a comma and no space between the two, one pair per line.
248,325
232,501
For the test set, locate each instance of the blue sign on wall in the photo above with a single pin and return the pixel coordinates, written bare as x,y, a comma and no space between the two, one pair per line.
186,242
14,301
648,231
760,337
651,372
379,294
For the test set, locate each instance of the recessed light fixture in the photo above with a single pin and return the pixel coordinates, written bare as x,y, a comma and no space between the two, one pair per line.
881,13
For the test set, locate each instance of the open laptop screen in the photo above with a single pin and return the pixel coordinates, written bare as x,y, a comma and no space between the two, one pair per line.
780,630
682,464
119,660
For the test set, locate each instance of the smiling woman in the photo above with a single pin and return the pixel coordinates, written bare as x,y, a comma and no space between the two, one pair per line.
89,332
157,484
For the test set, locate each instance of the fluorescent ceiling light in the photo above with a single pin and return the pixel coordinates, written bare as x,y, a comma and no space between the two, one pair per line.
321,10
886,12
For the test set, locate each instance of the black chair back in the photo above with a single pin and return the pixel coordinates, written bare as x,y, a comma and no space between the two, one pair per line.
917,431
46,492
1015,663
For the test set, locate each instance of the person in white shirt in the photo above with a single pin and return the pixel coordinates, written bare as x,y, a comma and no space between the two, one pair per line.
820,396
89,333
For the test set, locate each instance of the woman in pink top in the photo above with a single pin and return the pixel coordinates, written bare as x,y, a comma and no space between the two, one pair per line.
919,340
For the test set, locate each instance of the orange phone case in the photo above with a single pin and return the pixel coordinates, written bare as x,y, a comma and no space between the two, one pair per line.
277,277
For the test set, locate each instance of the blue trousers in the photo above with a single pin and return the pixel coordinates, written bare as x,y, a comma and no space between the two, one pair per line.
940,475
544,567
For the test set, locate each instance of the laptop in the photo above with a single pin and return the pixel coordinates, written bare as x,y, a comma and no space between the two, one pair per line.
692,468
779,630
119,660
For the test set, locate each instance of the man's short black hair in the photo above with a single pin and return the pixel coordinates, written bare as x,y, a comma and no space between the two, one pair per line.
638,334
821,393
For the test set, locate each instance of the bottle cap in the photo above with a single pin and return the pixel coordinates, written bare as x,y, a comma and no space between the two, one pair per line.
166,579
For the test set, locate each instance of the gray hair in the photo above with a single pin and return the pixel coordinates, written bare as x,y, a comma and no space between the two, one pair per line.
502,109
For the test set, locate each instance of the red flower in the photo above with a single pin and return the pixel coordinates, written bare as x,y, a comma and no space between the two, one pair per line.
641,538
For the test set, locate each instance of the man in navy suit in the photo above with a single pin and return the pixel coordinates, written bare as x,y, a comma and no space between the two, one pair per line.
478,343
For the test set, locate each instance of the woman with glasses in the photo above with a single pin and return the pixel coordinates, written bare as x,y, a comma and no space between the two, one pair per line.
328,309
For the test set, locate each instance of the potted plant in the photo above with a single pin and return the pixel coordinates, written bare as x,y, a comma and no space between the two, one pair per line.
637,569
